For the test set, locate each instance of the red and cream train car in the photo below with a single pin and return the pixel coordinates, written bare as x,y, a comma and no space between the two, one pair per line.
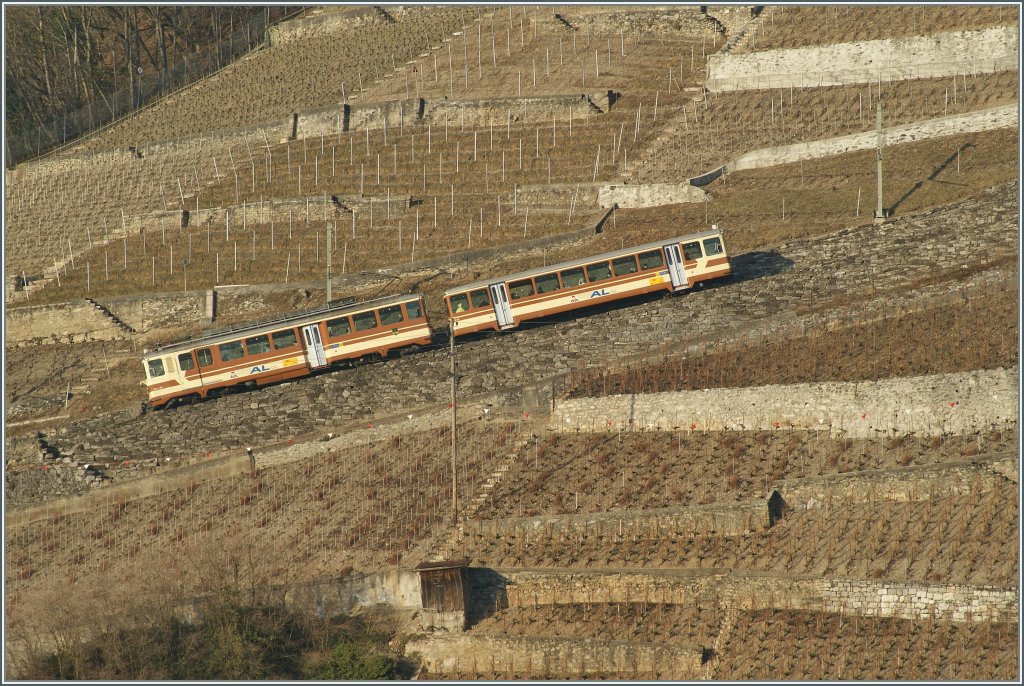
675,264
284,348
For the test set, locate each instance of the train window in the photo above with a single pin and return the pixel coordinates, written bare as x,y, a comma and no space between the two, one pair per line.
205,357
365,320
547,283
338,327
257,345
520,289
413,310
459,303
391,315
156,368
284,339
624,265
691,251
231,351
713,246
598,272
479,298
572,277
652,259
186,362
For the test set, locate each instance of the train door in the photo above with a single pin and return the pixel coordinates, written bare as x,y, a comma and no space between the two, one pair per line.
187,364
676,269
314,346
502,308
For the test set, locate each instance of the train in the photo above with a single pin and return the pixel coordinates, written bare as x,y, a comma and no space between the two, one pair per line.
345,333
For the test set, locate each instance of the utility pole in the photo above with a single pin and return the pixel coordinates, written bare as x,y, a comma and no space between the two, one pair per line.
330,232
455,492
879,211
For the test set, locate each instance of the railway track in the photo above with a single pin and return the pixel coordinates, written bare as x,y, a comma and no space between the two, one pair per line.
768,285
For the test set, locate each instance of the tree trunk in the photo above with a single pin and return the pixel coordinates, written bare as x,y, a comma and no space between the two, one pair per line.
158,24
46,64
130,66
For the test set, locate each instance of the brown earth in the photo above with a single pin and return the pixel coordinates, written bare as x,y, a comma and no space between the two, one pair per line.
791,644
979,333
366,507
799,26
386,504
600,472
958,539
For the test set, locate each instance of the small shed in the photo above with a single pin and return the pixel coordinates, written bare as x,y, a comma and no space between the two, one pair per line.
443,594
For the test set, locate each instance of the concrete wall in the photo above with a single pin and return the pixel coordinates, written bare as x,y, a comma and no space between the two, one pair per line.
926,405
538,655
918,57
399,588
982,120
76,321
648,195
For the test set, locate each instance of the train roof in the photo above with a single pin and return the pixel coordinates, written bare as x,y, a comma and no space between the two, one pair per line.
335,307
580,261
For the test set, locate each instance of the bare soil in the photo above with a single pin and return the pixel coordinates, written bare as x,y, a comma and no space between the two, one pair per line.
959,539
769,645
367,508
689,625
980,333
601,472
804,25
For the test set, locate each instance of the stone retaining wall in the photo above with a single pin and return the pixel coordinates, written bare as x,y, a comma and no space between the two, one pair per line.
657,20
703,520
878,260
159,310
933,405
499,111
753,590
539,655
906,484
306,27
971,122
648,195
731,17
163,482
560,195
957,603
918,57
76,321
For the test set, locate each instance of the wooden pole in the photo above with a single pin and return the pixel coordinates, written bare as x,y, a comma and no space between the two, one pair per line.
455,492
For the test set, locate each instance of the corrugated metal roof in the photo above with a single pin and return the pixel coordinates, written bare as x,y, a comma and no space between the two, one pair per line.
581,261
296,319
